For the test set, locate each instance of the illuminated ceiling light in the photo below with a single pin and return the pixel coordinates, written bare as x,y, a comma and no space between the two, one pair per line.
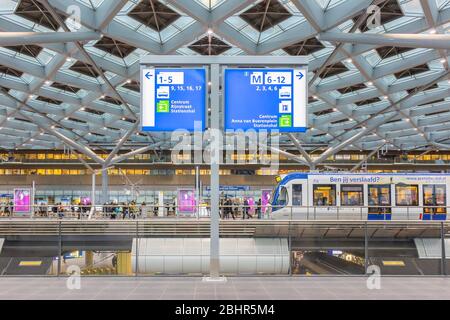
443,60
102,96
66,118
349,60
315,97
210,31
407,120
129,81
123,119
31,139
48,82
41,134
433,31
370,83
104,128
53,127
69,59
385,97
83,108
335,109
89,133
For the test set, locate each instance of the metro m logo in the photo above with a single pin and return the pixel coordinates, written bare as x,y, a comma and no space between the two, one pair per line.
256,78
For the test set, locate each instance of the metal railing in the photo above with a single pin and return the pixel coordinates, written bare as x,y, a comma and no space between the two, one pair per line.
227,212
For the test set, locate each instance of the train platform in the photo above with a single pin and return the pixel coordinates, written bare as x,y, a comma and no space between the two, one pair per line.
236,288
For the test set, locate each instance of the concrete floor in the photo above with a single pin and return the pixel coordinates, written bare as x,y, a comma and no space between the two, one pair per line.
246,288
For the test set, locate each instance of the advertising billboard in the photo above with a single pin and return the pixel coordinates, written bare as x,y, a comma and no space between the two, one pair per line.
186,201
22,200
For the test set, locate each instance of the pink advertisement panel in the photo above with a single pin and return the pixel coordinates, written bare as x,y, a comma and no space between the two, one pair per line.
265,199
22,200
186,201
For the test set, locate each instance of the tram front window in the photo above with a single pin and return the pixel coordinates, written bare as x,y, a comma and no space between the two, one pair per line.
324,195
283,197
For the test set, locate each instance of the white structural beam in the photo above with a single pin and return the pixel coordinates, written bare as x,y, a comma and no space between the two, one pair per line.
24,38
301,149
130,154
214,20
433,41
106,12
366,158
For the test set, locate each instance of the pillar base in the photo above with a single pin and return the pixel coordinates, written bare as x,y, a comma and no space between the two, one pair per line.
214,279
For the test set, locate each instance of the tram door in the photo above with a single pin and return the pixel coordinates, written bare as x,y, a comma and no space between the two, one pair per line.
324,201
379,202
433,197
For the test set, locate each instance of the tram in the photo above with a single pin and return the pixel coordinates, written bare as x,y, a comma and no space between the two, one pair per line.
361,196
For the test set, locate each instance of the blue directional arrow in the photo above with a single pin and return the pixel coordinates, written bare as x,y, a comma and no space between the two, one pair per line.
148,75
300,76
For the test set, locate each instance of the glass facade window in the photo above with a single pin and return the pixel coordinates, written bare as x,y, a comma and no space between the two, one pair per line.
352,195
324,195
296,194
407,195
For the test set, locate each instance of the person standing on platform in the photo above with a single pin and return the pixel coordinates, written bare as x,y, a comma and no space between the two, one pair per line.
246,208
224,208
258,208
230,208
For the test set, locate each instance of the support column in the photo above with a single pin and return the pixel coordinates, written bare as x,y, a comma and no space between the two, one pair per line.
89,259
105,186
214,267
366,248
124,263
93,200
443,255
197,191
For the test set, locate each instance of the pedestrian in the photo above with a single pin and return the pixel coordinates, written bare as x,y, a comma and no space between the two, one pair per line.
246,208
258,208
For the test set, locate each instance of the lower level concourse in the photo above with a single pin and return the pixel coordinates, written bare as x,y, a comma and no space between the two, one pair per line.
239,289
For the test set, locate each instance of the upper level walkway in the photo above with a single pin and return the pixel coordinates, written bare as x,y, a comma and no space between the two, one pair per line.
178,227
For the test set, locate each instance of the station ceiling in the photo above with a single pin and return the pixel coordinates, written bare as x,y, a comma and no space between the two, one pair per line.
403,91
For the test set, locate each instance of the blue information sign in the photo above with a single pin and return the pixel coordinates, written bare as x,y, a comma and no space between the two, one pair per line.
266,99
173,99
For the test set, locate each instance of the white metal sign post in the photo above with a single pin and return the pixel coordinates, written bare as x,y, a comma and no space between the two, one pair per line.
215,65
